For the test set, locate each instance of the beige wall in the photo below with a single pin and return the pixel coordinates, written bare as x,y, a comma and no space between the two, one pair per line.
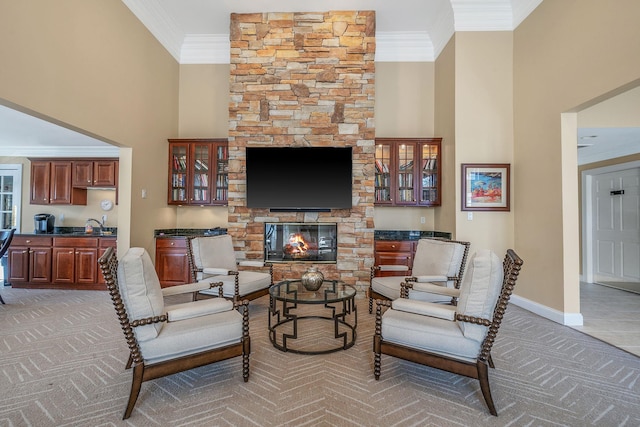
562,60
94,66
484,128
445,92
405,109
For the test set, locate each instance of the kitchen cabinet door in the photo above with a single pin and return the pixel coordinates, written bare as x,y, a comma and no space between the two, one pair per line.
172,262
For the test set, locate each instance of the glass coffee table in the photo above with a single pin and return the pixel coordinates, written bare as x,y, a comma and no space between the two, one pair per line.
312,322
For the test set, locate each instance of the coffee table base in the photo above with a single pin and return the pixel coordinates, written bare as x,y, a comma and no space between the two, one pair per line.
286,320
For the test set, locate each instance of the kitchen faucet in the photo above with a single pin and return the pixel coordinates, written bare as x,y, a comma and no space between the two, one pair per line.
97,222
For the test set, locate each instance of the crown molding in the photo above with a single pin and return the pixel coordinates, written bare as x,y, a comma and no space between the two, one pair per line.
59,151
205,49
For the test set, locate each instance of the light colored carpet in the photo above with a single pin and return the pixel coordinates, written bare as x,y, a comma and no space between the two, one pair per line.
62,357
624,286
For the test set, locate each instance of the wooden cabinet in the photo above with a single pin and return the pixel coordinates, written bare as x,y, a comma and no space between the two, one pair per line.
57,262
75,261
198,172
172,262
29,260
394,252
407,172
51,183
89,173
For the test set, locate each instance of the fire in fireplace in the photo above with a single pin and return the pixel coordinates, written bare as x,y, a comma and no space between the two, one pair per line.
301,242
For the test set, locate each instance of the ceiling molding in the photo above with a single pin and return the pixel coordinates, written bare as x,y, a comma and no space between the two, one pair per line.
59,151
415,46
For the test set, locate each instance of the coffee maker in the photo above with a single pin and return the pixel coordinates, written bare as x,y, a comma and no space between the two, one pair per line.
44,223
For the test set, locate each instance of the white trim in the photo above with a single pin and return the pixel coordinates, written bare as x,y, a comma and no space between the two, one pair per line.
567,319
404,47
205,49
59,151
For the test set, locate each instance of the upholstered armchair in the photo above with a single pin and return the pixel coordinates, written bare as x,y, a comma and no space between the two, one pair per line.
454,338
165,340
214,258
437,263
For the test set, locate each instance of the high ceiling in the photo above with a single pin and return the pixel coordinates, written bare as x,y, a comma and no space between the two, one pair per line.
197,32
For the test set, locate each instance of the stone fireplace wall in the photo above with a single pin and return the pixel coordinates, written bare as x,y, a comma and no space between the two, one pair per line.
305,79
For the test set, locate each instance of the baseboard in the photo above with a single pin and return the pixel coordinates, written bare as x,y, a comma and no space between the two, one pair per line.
567,319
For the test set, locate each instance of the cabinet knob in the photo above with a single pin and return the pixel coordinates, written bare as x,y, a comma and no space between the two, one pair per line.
172,243
393,246
28,241
88,181
70,252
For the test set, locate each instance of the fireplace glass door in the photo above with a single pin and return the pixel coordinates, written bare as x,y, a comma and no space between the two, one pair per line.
301,242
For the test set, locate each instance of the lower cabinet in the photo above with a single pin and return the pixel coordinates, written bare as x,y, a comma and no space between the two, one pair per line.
57,262
75,261
394,252
29,261
172,261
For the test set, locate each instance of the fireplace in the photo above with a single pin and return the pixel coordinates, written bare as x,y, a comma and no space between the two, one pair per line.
301,242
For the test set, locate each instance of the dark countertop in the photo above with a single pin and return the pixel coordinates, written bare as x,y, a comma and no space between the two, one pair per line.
74,232
408,234
186,232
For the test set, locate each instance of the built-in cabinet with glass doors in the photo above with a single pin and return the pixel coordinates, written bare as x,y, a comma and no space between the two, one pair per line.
407,172
198,171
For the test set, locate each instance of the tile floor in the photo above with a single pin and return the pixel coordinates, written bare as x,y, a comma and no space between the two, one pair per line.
611,315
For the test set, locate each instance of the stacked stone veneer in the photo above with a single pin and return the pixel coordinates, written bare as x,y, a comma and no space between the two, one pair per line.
305,79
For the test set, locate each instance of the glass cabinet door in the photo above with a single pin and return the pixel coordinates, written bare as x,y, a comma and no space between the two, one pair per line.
178,159
222,172
405,156
429,194
200,161
382,175
10,196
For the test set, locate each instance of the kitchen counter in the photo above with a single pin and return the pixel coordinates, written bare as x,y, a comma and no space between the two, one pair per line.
409,234
187,232
75,232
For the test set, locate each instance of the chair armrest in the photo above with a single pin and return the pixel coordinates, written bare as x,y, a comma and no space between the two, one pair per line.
434,278
217,271
189,310
436,289
424,308
252,263
188,288
392,267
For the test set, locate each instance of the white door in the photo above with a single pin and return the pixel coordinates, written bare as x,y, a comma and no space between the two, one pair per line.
616,226
10,196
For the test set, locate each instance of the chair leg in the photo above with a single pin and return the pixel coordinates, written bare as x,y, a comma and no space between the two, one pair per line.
376,357
483,377
136,383
490,361
129,362
1,300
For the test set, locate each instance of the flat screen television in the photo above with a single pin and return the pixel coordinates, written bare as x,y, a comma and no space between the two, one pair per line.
299,178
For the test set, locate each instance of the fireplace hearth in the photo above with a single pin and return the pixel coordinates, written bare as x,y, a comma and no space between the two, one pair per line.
301,242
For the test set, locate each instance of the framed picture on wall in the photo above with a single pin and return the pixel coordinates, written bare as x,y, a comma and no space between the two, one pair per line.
485,186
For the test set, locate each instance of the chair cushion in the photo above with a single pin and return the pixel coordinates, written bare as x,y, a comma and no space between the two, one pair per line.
214,251
390,287
426,333
141,291
248,281
194,335
479,291
436,257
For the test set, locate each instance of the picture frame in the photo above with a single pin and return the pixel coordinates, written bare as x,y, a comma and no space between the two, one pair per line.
486,187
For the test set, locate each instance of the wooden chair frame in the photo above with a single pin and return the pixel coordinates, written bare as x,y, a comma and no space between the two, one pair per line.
478,370
373,295
143,371
237,296
6,241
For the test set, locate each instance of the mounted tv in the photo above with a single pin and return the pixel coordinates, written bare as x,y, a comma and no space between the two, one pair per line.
299,178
